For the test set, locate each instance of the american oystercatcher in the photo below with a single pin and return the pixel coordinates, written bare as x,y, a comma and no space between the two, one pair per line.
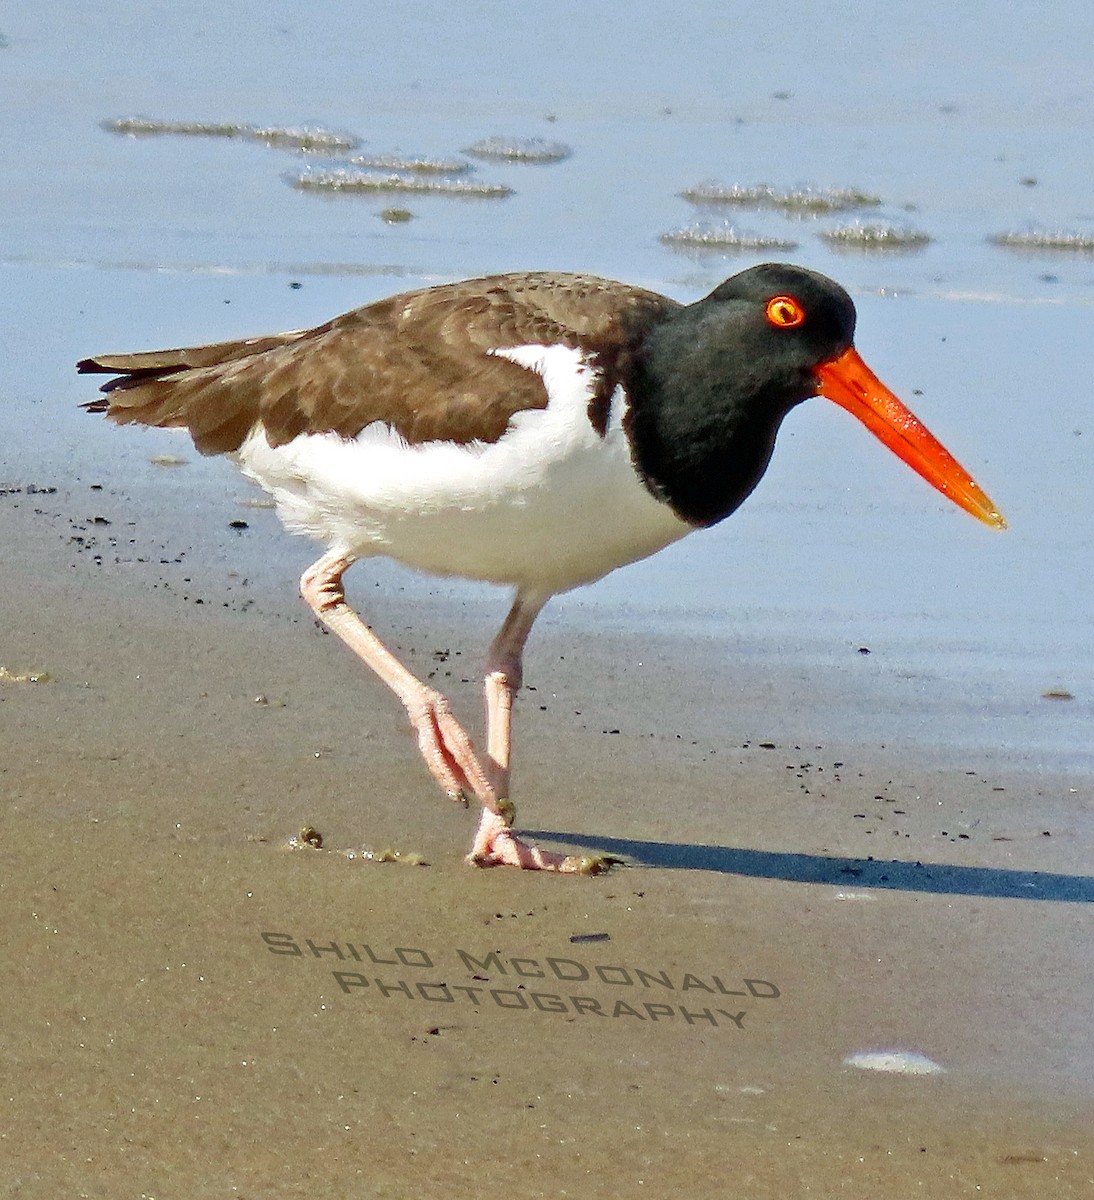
533,430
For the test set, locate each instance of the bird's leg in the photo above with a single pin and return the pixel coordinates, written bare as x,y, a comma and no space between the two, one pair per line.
445,746
495,842
504,675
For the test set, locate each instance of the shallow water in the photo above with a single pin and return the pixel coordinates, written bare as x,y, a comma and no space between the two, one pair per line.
966,124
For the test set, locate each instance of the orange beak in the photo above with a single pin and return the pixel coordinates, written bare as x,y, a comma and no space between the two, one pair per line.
852,385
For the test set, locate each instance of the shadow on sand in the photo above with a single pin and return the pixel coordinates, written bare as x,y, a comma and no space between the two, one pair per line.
940,878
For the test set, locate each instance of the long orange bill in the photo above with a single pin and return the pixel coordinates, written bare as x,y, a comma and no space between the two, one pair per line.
852,385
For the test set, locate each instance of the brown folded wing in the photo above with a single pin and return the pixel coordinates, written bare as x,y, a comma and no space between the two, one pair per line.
420,362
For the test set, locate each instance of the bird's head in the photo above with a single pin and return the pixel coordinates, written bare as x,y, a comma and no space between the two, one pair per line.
796,329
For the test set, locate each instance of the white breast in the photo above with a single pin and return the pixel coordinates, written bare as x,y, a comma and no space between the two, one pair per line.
549,506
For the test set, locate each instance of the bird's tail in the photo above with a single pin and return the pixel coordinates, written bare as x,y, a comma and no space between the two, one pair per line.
183,389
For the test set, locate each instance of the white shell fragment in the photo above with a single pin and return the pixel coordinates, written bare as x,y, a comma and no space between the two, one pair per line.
894,1062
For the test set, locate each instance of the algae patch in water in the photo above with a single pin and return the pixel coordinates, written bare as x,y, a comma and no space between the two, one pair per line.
302,137
1058,241
875,235
341,180
803,201
525,150
707,236
399,164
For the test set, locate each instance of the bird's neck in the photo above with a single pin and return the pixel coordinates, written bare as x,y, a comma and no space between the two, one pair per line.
703,431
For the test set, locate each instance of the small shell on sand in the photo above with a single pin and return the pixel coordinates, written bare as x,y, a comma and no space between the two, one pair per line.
894,1062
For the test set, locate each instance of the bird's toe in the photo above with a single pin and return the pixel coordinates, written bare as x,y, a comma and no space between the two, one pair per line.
592,864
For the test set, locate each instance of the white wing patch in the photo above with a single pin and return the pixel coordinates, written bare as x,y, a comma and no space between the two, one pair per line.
549,505
566,373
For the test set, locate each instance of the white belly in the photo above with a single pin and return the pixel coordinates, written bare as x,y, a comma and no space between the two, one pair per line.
549,506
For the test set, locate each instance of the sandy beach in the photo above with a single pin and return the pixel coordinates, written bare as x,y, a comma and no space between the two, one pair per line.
194,1011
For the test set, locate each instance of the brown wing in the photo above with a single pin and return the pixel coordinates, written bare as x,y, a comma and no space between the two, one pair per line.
419,362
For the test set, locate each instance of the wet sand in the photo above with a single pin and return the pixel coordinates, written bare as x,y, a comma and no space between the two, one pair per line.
193,1010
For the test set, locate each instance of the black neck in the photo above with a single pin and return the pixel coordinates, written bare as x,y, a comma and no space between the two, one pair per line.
702,422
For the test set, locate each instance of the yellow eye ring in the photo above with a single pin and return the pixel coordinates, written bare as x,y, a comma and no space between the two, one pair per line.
784,312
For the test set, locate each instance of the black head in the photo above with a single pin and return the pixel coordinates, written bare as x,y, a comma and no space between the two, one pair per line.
716,378
777,323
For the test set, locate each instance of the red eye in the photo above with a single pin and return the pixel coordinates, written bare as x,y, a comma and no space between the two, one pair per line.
784,312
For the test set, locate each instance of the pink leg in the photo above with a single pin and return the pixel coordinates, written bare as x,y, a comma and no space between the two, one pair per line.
495,842
446,748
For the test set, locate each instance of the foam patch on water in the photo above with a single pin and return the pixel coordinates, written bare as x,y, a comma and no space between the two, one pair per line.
805,201
708,236
1045,239
351,181
530,150
894,1062
875,235
303,137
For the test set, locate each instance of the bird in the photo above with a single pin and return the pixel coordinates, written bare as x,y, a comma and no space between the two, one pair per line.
535,430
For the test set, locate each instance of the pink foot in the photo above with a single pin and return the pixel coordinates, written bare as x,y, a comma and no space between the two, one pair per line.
496,845
448,751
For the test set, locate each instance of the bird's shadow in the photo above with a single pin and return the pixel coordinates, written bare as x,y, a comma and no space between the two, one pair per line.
940,878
